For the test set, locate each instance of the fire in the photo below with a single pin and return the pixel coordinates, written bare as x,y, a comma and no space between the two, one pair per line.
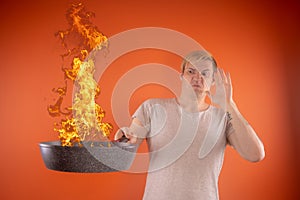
68,133
55,110
85,117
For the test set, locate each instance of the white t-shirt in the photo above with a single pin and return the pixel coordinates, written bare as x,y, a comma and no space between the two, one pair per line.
186,150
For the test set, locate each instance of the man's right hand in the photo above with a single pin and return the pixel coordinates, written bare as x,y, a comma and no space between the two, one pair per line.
125,131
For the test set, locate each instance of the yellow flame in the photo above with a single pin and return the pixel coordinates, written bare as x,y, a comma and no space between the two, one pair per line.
87,114
68,133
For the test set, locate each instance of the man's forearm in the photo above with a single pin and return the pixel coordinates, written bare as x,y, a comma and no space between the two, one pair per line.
244,139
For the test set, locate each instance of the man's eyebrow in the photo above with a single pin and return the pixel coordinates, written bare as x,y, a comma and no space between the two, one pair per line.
191,68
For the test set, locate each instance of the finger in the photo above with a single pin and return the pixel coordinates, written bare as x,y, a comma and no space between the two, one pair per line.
124,131
119,134
223,76
228,78
131,137
133,140
220,72
217,77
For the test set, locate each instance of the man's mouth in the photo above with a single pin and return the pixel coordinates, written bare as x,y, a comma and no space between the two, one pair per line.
196,85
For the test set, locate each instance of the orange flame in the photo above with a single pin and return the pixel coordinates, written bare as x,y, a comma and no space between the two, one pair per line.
55,110
87,114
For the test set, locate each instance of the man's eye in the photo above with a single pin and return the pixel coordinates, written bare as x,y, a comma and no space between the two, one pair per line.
191,71
206,74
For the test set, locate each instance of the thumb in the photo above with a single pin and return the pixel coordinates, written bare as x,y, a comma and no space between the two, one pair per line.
118,134
132,139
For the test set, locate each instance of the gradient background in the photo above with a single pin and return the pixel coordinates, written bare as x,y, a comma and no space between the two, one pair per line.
258,42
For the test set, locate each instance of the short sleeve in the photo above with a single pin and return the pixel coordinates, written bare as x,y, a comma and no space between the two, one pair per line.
143,114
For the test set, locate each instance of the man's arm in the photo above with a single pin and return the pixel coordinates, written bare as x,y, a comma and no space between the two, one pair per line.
243,137
135,133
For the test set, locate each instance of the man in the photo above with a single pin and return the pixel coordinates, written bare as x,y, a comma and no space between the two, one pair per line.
187,135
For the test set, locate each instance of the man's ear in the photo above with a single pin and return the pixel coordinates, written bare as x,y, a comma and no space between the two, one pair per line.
213,80
212,89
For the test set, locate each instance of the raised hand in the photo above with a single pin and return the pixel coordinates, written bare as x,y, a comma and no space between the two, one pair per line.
222,96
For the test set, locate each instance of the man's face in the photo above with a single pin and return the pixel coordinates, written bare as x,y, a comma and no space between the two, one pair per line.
199,75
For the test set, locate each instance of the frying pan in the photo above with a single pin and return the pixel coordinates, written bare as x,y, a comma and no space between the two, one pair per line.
108,156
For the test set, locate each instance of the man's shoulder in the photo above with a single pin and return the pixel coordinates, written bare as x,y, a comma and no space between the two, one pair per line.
153,101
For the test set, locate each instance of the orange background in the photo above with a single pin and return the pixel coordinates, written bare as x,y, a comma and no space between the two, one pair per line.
258,42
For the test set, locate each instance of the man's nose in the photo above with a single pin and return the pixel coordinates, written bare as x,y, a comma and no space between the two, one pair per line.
198,77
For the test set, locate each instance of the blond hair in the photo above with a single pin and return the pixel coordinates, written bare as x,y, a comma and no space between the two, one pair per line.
196,57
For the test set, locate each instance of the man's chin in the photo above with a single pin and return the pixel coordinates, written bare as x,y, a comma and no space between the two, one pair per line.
198,90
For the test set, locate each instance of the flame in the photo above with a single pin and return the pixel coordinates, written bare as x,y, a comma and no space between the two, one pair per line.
86,118
68,133
55,110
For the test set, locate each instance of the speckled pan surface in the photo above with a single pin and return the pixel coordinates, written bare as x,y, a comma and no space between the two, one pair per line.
101,157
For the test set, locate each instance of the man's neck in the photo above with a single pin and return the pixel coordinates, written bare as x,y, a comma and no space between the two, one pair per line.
192,102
